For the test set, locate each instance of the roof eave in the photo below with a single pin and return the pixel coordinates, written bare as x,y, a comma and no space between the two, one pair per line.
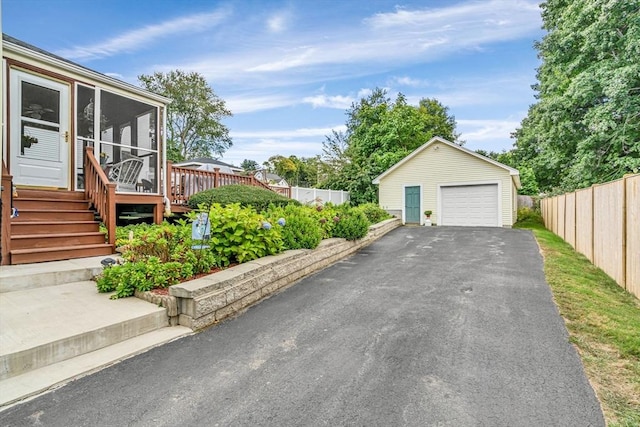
86,72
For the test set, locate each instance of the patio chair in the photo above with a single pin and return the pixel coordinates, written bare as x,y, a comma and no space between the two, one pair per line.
125,173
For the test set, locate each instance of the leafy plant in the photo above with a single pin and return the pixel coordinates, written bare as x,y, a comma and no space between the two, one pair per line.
126,278
153,240
375,213
328,216
241,234
301,230
350,223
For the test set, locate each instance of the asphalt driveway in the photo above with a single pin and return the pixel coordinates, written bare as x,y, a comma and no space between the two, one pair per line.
439,326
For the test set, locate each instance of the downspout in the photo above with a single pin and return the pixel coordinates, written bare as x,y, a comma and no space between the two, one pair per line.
164,172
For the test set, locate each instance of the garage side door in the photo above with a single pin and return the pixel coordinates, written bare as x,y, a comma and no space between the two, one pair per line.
469,205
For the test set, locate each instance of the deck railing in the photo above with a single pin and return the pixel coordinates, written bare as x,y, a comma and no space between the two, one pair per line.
100,192
182,182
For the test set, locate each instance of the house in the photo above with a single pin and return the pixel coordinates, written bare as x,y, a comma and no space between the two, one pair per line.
206,163
271,178
77,146
459,186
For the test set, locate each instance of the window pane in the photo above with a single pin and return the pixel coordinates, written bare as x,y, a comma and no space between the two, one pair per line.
40,103
133,119
128,131
85,109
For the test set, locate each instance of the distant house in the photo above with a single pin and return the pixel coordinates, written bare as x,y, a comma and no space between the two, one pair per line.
459,186
206,163
271,178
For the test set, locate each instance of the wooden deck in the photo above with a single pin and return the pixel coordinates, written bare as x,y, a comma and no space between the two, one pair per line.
184,182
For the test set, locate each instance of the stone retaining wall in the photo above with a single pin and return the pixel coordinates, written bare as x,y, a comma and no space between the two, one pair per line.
202,302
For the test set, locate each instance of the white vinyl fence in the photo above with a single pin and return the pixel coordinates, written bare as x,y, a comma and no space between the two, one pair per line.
307,195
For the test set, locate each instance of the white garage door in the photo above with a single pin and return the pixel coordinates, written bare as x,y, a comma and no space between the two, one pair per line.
469,205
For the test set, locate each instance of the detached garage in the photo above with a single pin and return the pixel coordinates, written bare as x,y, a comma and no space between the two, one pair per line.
459,186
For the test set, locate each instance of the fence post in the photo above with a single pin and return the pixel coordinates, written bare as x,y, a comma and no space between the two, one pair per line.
167,180
624,232
593,224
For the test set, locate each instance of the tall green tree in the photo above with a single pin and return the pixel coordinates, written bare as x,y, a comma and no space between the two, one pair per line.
249,165
585,126
194,116
380,133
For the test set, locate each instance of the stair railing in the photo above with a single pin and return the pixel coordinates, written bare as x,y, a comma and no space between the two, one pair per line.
101,193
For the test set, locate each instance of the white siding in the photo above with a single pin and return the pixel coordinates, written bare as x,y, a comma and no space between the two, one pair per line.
440,164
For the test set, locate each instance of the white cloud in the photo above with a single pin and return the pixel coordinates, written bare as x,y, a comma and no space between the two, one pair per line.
338,101
249,103
380,43
491,13
287,133
139,38
277,23
486,130
409,81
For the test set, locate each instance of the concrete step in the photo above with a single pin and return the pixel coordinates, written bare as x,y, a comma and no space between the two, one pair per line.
44,326
33,383
43,274
55,326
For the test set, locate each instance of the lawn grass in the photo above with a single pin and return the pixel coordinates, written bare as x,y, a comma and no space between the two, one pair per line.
603,322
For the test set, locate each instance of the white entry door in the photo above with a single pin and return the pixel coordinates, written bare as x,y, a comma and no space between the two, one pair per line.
39,111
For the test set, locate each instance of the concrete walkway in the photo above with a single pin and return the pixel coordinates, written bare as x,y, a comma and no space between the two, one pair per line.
55,326
427,326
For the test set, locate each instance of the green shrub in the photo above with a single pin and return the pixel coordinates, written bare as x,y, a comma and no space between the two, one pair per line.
241,234
301,230
245,195
126,278
373,212
352,224
142,241
530,216
326,216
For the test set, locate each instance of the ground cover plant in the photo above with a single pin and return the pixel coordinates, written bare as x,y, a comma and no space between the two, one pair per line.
602,319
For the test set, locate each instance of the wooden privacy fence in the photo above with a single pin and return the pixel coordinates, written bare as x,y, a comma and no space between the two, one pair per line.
603,223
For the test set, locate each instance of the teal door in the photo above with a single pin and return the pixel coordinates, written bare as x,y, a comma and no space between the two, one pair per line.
412,204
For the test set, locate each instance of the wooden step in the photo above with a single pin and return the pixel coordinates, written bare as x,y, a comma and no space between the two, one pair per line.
50,204
47,194
26,256
26,215
48,227
31,241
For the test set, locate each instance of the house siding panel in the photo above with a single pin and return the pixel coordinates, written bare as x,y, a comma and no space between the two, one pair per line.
440,164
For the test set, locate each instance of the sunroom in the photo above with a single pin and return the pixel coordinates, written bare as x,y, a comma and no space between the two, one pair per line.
74,139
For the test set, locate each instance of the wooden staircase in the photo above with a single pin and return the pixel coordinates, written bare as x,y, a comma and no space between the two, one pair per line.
54,225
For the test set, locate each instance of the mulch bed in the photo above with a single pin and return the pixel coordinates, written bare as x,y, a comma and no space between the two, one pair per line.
165,291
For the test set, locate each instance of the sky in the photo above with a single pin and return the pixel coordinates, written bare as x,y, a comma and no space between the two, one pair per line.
290,70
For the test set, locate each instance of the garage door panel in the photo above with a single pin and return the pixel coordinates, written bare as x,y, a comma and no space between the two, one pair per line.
469,205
